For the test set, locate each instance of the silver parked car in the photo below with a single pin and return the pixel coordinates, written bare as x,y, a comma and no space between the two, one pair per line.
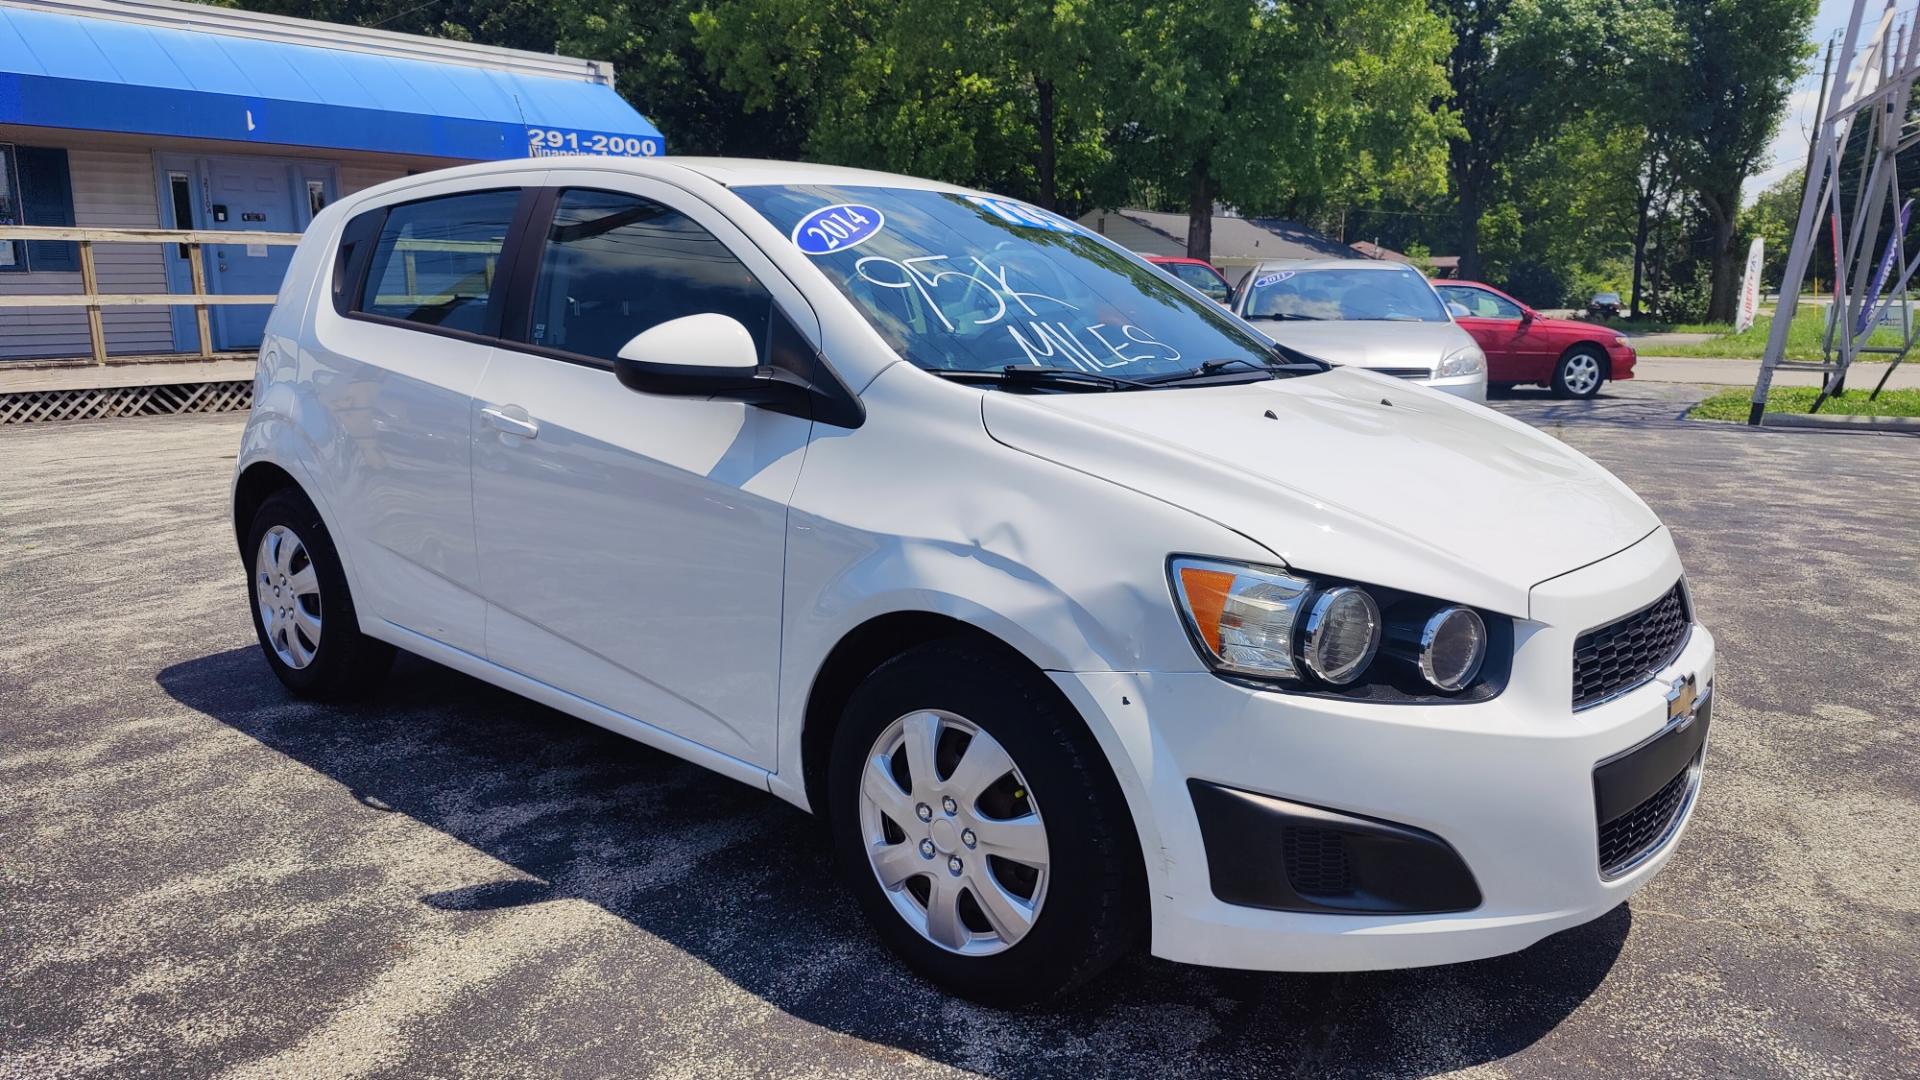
1366,313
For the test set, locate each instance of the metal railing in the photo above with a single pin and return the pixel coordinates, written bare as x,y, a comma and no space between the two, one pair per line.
91,298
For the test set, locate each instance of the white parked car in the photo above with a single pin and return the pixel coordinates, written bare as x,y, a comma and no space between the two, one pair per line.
1384,316
1085,616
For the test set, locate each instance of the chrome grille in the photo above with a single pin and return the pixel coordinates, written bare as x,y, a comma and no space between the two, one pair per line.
1621,655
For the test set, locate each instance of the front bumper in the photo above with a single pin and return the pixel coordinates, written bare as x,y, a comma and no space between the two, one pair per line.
1620,361
1507,784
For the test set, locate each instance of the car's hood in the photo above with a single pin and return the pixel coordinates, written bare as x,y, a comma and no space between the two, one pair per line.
1368,344
1349,474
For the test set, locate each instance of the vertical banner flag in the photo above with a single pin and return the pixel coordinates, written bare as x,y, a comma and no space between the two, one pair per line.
1750,288
1869,308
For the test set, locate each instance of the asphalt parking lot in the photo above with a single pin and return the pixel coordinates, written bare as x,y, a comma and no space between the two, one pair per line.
200,876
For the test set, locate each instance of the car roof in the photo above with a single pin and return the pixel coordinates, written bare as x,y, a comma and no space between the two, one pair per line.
732,172
1151,257
1329,264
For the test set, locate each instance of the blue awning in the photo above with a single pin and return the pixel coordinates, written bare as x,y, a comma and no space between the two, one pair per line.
70,71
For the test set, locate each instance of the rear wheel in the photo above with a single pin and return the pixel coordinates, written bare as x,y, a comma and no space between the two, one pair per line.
1579,373
302,611
980,828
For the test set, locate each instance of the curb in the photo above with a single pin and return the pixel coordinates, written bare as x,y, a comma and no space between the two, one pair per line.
1907,424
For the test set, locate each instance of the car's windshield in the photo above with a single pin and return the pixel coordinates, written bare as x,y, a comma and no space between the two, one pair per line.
969,283
1360,294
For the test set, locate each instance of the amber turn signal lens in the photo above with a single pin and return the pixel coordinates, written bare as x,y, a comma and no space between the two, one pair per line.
1206,598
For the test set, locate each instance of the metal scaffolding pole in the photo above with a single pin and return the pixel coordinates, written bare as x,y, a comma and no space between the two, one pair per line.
1874,80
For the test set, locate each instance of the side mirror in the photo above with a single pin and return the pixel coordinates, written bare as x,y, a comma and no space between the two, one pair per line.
1458,310
714,356
1526,315
700,355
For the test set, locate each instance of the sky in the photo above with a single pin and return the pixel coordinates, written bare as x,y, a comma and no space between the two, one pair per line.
1789,149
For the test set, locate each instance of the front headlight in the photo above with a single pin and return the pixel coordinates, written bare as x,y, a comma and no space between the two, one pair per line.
1267,623
1338,637
1466,360
1620,341
1242,616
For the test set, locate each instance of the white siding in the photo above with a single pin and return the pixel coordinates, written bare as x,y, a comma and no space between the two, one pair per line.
110,188
1131,235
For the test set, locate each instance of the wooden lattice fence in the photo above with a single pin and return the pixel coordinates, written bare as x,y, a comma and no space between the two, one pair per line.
93,403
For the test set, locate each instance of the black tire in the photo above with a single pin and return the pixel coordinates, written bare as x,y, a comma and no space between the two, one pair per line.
344,662
1575,356
1093,907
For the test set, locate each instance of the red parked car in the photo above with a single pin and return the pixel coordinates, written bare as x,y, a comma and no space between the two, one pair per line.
1195,272
1524,346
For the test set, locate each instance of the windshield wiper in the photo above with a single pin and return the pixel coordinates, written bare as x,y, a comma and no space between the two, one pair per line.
1272,369
1285,316
1048,377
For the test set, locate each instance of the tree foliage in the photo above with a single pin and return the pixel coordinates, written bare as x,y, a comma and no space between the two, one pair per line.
1224,100
1742,56
1553,144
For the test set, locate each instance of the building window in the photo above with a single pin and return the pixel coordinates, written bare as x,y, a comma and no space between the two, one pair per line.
36,188
13,254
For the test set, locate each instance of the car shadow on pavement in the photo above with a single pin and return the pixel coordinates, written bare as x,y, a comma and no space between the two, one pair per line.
743,883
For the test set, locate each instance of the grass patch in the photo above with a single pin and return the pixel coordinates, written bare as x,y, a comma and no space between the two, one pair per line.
1733,404
1803,341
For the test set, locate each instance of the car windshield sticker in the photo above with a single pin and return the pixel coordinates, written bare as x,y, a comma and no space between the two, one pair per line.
1273,279
1019,213
836,228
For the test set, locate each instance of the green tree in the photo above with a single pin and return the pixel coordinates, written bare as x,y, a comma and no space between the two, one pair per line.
1521,71
1771,218
1742,57
1248,103
665,73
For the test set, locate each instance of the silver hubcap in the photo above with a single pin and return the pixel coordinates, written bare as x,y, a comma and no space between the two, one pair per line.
288,594
953,834
1583,373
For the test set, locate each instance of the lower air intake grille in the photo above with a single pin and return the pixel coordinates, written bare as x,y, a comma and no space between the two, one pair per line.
1626,652
1316,861
1643,828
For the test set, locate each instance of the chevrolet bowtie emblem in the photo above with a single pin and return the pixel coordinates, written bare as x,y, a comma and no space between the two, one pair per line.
1685,693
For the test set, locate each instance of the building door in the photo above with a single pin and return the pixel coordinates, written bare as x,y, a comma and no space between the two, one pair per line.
247,195
236,194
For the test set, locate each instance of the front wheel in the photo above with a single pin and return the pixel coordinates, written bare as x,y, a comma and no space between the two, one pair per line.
1579,374
980,828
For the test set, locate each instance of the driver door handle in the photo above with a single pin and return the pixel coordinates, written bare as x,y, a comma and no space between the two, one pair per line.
504,420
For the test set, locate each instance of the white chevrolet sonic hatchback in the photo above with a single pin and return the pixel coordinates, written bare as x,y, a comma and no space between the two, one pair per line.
1080,611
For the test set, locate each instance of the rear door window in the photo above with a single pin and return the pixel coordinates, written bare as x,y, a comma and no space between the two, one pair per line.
436,260
615,264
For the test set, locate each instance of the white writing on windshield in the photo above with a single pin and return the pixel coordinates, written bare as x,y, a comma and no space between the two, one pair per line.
985,297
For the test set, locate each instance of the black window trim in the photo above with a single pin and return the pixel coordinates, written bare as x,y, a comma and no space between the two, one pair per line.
356,287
